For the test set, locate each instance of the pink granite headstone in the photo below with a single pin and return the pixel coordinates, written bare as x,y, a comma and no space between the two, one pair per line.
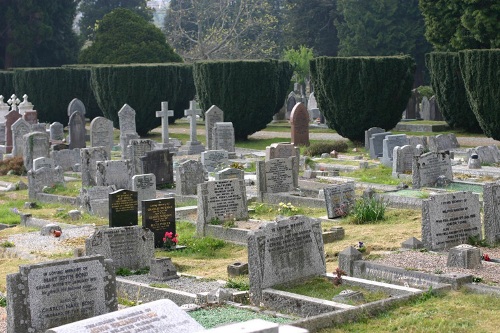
299,120
31,117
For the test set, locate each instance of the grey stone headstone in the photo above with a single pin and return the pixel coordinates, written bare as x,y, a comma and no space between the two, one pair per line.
214,159
76,105
426,169
56,131
450,219
126,118
388,145
491,200
88,163
101,133
368,134
223,136
487,154
188,175
284,251
45,295
376,144
162,269
212,116
434,109
276,175
36,145
230,173
145,186
2,132
339,199
125,139
414,141
443,142
402,160
40,127
76,127
128,247
347,258
118,173
43,162
283,150
92,198
38,179
221,199
464,256
159,162
137,149
67,159
157,316
290,103
19,129
425,112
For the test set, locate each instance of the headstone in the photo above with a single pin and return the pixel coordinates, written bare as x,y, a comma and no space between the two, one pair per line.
376,144
95,199
123,208
276,175
230,173
38,179
283,251
101,133
158,215
157,316
159,162
188,175
162,269
2,133
283,150
221,199
48,294
4,109
426,169
118,173
31,117
474,162
36,145
76,105
145,186
193,146
25,105
88,163
425,112
68,160
10,119
128,247
76,127
43,162
414,141
299,120
434,109
449,219
40,127
137,149
312,106
223,136
214,159
56,131
347,258
402,160
388,145
125,139
212,116
464,256
19,129
126,117
164,114
443,142
491,200
487,154
290,103
339,199
368,134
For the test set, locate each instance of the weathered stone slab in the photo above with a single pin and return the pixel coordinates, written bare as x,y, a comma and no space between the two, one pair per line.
38,179
67,159
214,159
188,175
76,105
138,148
450,219
339,199
402,160
223,136
283,150
443,142
388,145
19,129
212,116
376,144
426,169
56,131
76,127
159,163
368,134
118,173
145,186
158,215
101,133
276,175
491,200
95,197
230,173
88,163
36,145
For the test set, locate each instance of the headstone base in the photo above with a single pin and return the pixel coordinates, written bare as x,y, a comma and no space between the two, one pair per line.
192,148
464,256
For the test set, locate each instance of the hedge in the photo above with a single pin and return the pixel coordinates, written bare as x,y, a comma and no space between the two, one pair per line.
448,86
6,85
481,74
143,87
249,92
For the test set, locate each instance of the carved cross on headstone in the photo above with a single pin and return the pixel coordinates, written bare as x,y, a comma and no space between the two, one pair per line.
13,102
193,112
164,114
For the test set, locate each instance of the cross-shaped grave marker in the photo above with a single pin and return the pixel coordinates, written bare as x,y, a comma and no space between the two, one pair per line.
193,112
164,114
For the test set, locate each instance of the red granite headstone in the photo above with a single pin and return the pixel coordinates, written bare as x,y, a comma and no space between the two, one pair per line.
31,117
299,120
10,119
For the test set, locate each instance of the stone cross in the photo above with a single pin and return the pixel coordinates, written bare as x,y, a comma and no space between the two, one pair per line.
193,112
14,102
164,114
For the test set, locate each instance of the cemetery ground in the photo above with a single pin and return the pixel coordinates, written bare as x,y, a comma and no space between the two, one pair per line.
208,258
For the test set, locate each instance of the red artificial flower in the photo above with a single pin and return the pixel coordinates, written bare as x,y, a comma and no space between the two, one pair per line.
168,235
486,257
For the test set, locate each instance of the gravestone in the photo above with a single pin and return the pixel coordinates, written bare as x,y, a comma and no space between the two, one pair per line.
2,133
464,256
276,175
4,109
88,163
230,173
101,133
138,148
25,105
283,150
123,208
56,131
38,179
491,200
164,114
118,173
414,141
36,145
193,146
212,116
388,145
43,162
299,121
31,117
39,127
284,251
76,127
449,220
68,159
128,247
426,169
434,109
290,104
312,106
223,136
486,154
158,215
76,105
214,159
377,144
10,119
188,175
368,134
126,118
221,199
339,199
145,186
19,129
49,294
159,163
402,160
425,112
157,316
443,142
95,199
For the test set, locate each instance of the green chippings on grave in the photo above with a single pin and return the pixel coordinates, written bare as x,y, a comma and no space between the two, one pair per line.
379,175
122,271
263,211
212,316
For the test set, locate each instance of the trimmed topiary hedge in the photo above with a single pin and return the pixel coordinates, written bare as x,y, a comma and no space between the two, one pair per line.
357,93
448,85
249,92
143,87
6,85
481,74
51,89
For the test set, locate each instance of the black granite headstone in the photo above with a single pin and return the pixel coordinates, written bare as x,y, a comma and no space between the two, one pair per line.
158,215
123,208
159,162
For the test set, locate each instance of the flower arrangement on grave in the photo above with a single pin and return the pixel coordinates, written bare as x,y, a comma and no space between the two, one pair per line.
170,241
236,165
486,257
361,247
287,209
337,280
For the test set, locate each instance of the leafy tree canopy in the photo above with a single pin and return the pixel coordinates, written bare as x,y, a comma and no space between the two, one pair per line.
299,59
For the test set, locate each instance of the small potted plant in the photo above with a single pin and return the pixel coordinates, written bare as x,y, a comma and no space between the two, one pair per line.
170,241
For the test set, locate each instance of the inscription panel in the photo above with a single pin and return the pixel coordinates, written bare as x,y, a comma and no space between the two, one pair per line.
158,215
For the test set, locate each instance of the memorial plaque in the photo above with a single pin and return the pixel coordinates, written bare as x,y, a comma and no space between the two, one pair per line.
158,215
426,169
123,208
339,199
450,219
